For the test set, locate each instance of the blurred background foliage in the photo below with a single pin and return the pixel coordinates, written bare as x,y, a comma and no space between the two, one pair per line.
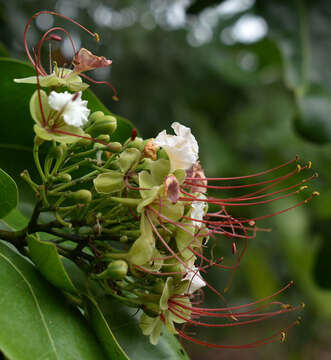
252,80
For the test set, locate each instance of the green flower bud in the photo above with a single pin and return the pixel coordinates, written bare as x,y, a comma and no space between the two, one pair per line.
109,182
137,143
95,116
102,125
81,196
115,147
105,138
116,270
62,178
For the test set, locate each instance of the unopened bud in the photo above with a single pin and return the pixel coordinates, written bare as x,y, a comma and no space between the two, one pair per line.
116,270
62,178
137,143
106,124
109,182
95,116
81,196
114,147
105,138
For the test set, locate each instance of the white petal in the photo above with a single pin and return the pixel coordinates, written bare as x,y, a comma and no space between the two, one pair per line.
182,148
196,281
74,112
198,210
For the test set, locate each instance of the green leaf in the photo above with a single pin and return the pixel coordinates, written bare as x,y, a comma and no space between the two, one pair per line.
104,333
8,194
14,221
124,324
48,262
35,320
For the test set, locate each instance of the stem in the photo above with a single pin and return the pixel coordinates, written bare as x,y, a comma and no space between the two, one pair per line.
37,162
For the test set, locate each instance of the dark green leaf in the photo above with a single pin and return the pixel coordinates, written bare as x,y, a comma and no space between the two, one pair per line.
8,194
124,323
14,221
48,261
35,320
104,333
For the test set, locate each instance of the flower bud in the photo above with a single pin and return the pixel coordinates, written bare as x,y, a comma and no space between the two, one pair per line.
116,270
137,143
105,125
105,138
64,178
109,182
95,116
81,196
115,146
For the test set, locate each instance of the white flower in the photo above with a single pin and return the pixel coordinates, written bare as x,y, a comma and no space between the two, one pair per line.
72,107
196,281
198,210
181,148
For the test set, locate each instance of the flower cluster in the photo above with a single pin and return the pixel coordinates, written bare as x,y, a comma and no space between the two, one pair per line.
139,212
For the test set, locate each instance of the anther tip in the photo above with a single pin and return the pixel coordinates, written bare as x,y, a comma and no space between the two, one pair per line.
97,37
298,168
283,336
115,98
309,164
303,305
316,193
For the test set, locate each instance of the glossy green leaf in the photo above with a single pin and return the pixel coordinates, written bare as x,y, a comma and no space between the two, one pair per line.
14,221
124,323
47,260
104,333
8,194
35,320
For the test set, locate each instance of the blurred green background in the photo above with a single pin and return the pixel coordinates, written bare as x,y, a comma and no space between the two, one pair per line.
252,80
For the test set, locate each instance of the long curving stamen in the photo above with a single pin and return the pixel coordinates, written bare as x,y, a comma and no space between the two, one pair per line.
33,62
